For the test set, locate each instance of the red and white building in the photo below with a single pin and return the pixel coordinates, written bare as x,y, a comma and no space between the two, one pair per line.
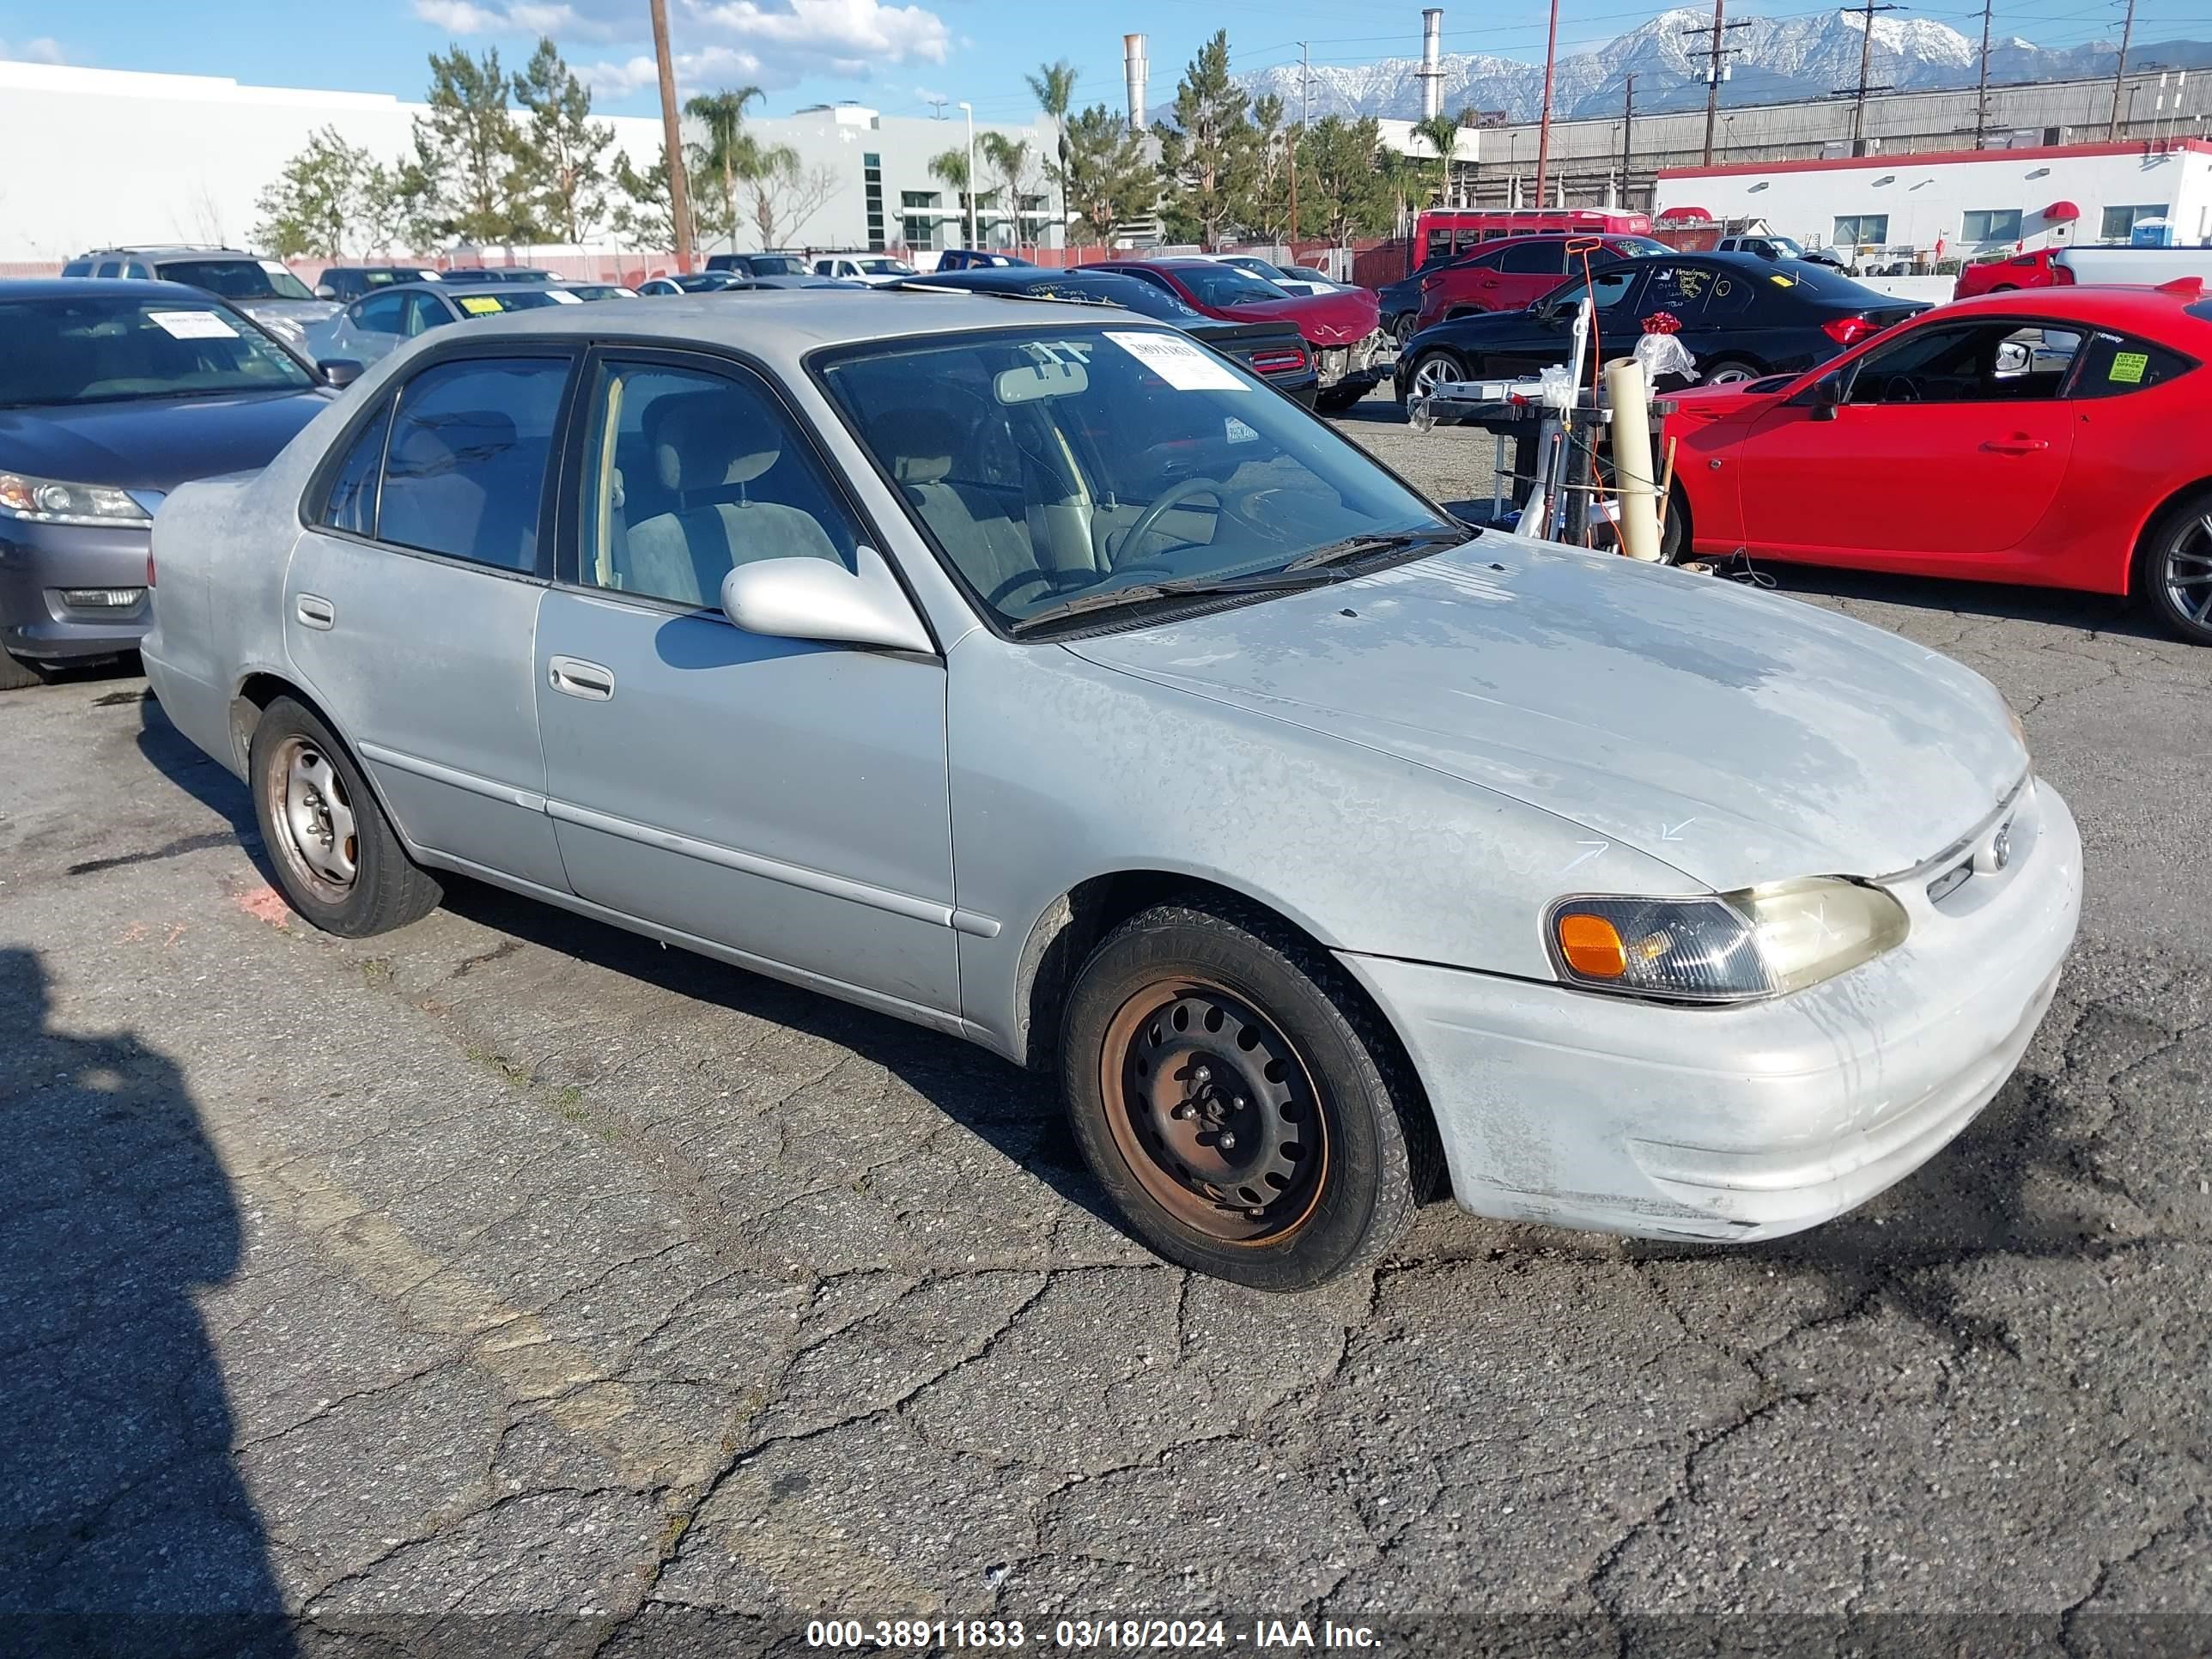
1959,204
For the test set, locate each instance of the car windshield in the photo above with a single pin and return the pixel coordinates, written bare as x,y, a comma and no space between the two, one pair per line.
525,299
1308,274
1225,285
1104,287
776,265
236,279
102,349
1064,470
1636,247
885,267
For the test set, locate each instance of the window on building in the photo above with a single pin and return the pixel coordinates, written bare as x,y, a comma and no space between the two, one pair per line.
2119,222
871,175
1862,230
1991,225
1036,203
918,232
916,200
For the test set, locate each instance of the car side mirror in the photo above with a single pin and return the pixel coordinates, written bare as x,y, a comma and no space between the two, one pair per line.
324,291
1824,395
808,598
339,372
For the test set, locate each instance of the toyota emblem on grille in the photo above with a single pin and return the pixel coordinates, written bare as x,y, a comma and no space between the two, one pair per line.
2001,848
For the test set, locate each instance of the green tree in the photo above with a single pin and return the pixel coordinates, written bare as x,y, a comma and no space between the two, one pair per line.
1207,156
562,147
324,202
1442,133
1110,180
1340,180
472,171
1054,87
1009,158
1269,214
730,153
646,217
949,168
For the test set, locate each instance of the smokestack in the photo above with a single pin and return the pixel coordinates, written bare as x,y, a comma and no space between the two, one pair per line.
1432,74
1132,75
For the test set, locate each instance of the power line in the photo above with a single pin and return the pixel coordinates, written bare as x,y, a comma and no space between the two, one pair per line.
1867,10
1716,69
2119,69
1982,86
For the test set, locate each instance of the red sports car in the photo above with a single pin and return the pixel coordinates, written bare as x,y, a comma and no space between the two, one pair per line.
2052,436
1343,331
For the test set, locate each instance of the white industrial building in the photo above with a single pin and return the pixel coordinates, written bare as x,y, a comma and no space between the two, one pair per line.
1959,204
98,157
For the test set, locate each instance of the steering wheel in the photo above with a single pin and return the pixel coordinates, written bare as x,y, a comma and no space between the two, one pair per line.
1899,389
1175,497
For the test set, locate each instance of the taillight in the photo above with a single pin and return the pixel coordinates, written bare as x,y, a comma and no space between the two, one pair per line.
1278,363
2062,273
1844,330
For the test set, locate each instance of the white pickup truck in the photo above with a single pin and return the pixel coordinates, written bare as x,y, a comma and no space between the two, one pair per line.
2143,267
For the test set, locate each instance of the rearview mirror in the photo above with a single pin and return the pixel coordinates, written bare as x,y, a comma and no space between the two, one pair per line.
1824,395
339,372
805,598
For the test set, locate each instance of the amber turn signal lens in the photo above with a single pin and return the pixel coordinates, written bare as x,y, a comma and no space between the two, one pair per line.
1591,946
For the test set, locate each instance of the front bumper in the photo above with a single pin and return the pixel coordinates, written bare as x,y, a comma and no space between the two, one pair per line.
41,563
1588,1110
1365,363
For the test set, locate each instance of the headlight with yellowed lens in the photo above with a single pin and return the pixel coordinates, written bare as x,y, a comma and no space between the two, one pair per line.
48,500
1732,947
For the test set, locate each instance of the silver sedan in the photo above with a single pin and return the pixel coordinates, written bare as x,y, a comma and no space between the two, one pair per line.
1043,678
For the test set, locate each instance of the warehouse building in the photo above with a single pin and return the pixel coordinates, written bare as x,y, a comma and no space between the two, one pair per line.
123,156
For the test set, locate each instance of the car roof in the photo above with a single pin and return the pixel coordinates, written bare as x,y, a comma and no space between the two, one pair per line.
785,323
1167,262
2157,313
170,250
65,287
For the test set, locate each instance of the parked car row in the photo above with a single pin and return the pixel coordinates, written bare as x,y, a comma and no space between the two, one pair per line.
1066,691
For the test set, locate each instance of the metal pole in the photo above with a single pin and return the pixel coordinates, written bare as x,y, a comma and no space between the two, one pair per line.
2119,72
969,110
671,133
1304,110
1627,126
1544,122
1713,80
1982,87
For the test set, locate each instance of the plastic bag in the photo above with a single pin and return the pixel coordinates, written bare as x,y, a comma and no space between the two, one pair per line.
1556,387
1663,354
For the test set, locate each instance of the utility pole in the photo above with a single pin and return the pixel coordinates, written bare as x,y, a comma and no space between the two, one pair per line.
1982,87
2119,70
1627,127
1867,9
937,105
1305,90
968,110
671,133
1718,53
1544,120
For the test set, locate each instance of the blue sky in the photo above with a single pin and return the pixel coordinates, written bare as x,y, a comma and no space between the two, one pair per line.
894,54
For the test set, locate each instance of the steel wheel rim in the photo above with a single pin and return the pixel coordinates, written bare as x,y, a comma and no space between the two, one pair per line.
2189,572
1430,373
1215,1112
1729,377
316,832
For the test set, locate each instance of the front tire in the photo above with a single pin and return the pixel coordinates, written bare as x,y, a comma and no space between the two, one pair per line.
339,861
1728,371
1243,1108
1432,368
2173,566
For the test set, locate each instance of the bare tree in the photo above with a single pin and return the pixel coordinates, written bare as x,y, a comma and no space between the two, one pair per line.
784,196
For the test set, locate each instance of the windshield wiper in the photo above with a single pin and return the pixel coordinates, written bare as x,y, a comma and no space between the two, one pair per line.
1182,587
1358,547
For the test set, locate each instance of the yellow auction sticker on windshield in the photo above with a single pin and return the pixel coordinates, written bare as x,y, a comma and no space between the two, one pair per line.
479,305
2128,367
1177,361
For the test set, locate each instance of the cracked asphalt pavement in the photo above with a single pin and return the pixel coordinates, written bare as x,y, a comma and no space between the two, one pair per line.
513,1265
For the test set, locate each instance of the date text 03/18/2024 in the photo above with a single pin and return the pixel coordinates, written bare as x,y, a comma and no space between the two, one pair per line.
1108,1635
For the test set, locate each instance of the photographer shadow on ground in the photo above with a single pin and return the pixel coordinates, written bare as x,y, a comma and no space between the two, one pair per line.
124,1524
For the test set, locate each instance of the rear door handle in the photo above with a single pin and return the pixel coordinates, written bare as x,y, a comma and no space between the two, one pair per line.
315,611
578,678
2020,445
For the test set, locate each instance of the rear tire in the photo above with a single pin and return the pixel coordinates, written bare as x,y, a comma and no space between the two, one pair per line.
1437,364
339,861
1674,535
2173,565
1727,372
1242,1106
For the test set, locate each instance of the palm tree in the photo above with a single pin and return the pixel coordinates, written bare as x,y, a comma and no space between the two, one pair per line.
723,114
1054,87
950,167
1010,159
1441,131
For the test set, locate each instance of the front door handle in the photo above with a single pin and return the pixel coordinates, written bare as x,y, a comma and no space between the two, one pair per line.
578,678
2018,444
315,612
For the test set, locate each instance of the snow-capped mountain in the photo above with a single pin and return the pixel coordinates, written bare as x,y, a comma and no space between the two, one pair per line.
1775,59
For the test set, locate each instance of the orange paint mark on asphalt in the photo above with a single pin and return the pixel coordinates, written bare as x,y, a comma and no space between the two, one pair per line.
266,904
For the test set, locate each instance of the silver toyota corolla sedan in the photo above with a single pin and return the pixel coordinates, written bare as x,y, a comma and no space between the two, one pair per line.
1043,678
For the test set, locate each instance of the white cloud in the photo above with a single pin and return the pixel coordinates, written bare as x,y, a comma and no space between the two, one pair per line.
43,50
461,16
557,19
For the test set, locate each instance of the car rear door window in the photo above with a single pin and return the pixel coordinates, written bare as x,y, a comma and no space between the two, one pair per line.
423,313
381,313
1533,259
465,470
351,503
2113,365
689,473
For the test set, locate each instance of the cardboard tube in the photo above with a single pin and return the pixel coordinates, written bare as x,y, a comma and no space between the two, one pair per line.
1631,459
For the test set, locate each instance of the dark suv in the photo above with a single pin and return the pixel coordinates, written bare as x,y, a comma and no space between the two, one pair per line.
759,264
262,288
344,282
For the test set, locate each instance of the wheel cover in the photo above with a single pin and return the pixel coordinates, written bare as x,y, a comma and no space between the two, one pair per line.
1728,376
1215,1112
2188,572
317,835
1431,373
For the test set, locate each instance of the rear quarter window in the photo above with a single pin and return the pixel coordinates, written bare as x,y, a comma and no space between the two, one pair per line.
2115,365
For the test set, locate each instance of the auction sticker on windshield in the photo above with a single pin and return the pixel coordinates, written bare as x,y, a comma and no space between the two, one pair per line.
191,325
1177,361
477,305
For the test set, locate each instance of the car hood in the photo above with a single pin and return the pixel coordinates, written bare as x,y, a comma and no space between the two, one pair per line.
1345,317
1739,737
155,443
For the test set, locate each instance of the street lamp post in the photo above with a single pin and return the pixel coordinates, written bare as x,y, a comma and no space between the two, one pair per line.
969,110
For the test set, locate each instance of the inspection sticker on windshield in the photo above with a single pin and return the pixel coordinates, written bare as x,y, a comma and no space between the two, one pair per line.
1177,361
477,305
2128,367
191,325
